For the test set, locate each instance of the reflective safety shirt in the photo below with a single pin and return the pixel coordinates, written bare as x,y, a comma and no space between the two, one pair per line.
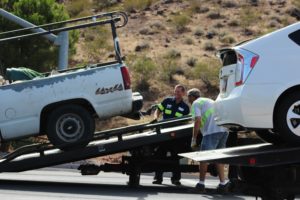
203,107
170,109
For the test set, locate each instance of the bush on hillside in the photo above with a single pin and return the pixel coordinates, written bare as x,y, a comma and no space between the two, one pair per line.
97,41
208,71
209,46
104,4
168,68
196,7
172,54
248,17
135,5
180,22
78,8
144,70
227,39
199,32
192,61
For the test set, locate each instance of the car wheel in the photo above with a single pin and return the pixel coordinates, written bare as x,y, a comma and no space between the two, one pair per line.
287,118
269,136
70,127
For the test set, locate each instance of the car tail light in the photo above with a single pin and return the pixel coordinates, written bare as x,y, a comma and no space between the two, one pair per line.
246,61
126,77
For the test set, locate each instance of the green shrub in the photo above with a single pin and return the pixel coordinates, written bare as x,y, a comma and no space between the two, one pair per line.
158,25
233,23
229,4
188,41
296,3
142,46
172,54
215,15
133,5
208,71
192,61
199,31
227,39
77,7
97,41
168,67
180,22
103,4
209,46
144,69
196,7
248,17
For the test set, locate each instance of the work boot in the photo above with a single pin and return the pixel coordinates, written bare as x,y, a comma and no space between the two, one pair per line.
158,182
199,188
223,189
176,182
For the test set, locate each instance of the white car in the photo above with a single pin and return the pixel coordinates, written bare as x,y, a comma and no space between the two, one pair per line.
260,86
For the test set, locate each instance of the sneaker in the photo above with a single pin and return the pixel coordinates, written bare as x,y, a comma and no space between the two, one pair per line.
223,189
200,188
158,182
176,182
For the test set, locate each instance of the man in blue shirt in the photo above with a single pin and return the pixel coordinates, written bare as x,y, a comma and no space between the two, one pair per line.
171,107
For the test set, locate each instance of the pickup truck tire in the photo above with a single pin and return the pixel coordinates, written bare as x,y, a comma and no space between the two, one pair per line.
70,127
287,118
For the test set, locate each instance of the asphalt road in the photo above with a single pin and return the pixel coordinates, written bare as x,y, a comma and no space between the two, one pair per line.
66,184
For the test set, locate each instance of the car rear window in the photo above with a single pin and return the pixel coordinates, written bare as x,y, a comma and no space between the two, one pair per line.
295,37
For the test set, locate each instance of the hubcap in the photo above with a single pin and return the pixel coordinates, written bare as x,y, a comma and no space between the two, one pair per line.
69,128
293,118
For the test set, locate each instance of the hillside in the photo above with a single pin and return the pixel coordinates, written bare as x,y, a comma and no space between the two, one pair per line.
167,42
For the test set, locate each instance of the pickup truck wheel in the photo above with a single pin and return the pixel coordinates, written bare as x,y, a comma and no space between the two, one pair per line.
70,127
287,118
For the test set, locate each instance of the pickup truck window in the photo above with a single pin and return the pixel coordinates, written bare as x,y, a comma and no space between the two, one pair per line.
295,37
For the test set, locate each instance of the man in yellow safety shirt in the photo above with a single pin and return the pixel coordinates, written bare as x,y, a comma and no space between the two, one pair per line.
171,107
214,136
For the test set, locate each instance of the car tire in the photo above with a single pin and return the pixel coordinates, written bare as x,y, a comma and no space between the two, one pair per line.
70,127
287,118
268,136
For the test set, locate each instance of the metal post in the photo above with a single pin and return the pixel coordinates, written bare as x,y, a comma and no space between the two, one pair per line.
62,40
63,56
116,42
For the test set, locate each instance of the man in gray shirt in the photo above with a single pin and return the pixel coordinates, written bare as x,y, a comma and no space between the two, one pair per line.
214,136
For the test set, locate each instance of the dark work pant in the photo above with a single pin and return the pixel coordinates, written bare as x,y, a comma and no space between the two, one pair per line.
175,147
161,153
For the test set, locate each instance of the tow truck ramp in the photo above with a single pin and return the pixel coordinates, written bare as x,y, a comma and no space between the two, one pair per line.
104,143
258,155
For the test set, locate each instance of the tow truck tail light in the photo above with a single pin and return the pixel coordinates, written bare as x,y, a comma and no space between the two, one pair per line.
252,161
246,61
126,77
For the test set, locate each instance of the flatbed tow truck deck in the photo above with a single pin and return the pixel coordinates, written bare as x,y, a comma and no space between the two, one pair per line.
272,172
265,170
140,140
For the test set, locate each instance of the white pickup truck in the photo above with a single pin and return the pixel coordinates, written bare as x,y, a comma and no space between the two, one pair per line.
63,106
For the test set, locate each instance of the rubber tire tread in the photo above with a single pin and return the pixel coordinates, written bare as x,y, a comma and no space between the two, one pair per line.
88,121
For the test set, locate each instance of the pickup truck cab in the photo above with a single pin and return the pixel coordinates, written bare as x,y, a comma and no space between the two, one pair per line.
63,105
260,86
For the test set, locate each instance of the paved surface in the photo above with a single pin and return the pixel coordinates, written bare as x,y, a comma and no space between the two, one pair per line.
66,184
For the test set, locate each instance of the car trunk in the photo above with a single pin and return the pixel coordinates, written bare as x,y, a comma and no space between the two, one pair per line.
228,71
